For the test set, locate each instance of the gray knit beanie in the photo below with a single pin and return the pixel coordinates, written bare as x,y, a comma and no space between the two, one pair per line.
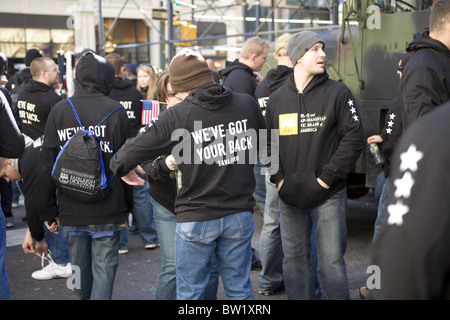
300,43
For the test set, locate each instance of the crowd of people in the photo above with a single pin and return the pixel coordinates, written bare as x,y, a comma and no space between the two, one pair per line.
188,179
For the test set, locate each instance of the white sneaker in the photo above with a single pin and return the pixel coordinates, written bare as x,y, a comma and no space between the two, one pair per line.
53,270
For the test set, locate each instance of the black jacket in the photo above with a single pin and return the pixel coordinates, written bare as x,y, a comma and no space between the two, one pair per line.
131,99
163,182
34,103
321,135
238,77
216,179
93,84
412,251
272,81
392,130
11,140
426,79
27,169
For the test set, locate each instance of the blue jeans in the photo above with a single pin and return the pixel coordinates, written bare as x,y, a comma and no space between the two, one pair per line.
97,259
260,188
166,287
329,222
229,239
382,213
271,251
5,292
165,221
58,245
143,215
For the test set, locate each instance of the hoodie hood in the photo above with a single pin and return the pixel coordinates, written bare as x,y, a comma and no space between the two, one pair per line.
276,77
94,74
212,96
230,66
315,81
423,40
36,86
122,83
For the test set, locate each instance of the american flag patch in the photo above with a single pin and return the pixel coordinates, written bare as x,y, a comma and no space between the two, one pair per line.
150,110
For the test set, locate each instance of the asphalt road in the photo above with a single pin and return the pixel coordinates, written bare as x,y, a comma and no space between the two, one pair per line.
137,271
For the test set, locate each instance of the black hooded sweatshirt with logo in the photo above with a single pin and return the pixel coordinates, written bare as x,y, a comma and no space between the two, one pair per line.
321,135
217,134
425,81
93,84
34,103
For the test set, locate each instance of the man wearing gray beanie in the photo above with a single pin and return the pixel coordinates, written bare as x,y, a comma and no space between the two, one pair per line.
320,140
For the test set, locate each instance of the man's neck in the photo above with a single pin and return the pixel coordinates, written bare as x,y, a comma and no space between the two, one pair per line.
301,79
247,62
442,37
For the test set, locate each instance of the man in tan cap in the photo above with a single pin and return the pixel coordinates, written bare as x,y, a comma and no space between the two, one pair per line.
215,130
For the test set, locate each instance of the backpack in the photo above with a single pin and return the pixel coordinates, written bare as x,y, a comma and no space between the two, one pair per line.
79,170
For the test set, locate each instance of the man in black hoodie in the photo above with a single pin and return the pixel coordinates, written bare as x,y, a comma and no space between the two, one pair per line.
218,132
241,77
131,98
271,276
37,98
320,139
426,78
11,145
412,252
94,226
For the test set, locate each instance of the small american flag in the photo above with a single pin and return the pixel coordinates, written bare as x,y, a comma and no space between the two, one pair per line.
150,110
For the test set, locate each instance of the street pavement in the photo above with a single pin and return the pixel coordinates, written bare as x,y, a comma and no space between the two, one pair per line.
137,271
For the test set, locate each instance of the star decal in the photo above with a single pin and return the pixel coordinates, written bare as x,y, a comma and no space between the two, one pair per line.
390,123
410,158
352,110
388,130
350,102
404,185
396,213
392,116
355,117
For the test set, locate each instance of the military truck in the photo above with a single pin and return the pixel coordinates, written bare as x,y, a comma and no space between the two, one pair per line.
364,54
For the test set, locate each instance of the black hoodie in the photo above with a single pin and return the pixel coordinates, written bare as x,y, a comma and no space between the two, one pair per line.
413,249
11,140
126,93
34,103
272,81
93,84
216,180
426,79
238,77
321,135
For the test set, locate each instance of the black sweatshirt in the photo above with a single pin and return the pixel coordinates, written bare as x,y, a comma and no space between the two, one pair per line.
34,103
413,249
11,140
94,78
321,136
212,124
425,81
